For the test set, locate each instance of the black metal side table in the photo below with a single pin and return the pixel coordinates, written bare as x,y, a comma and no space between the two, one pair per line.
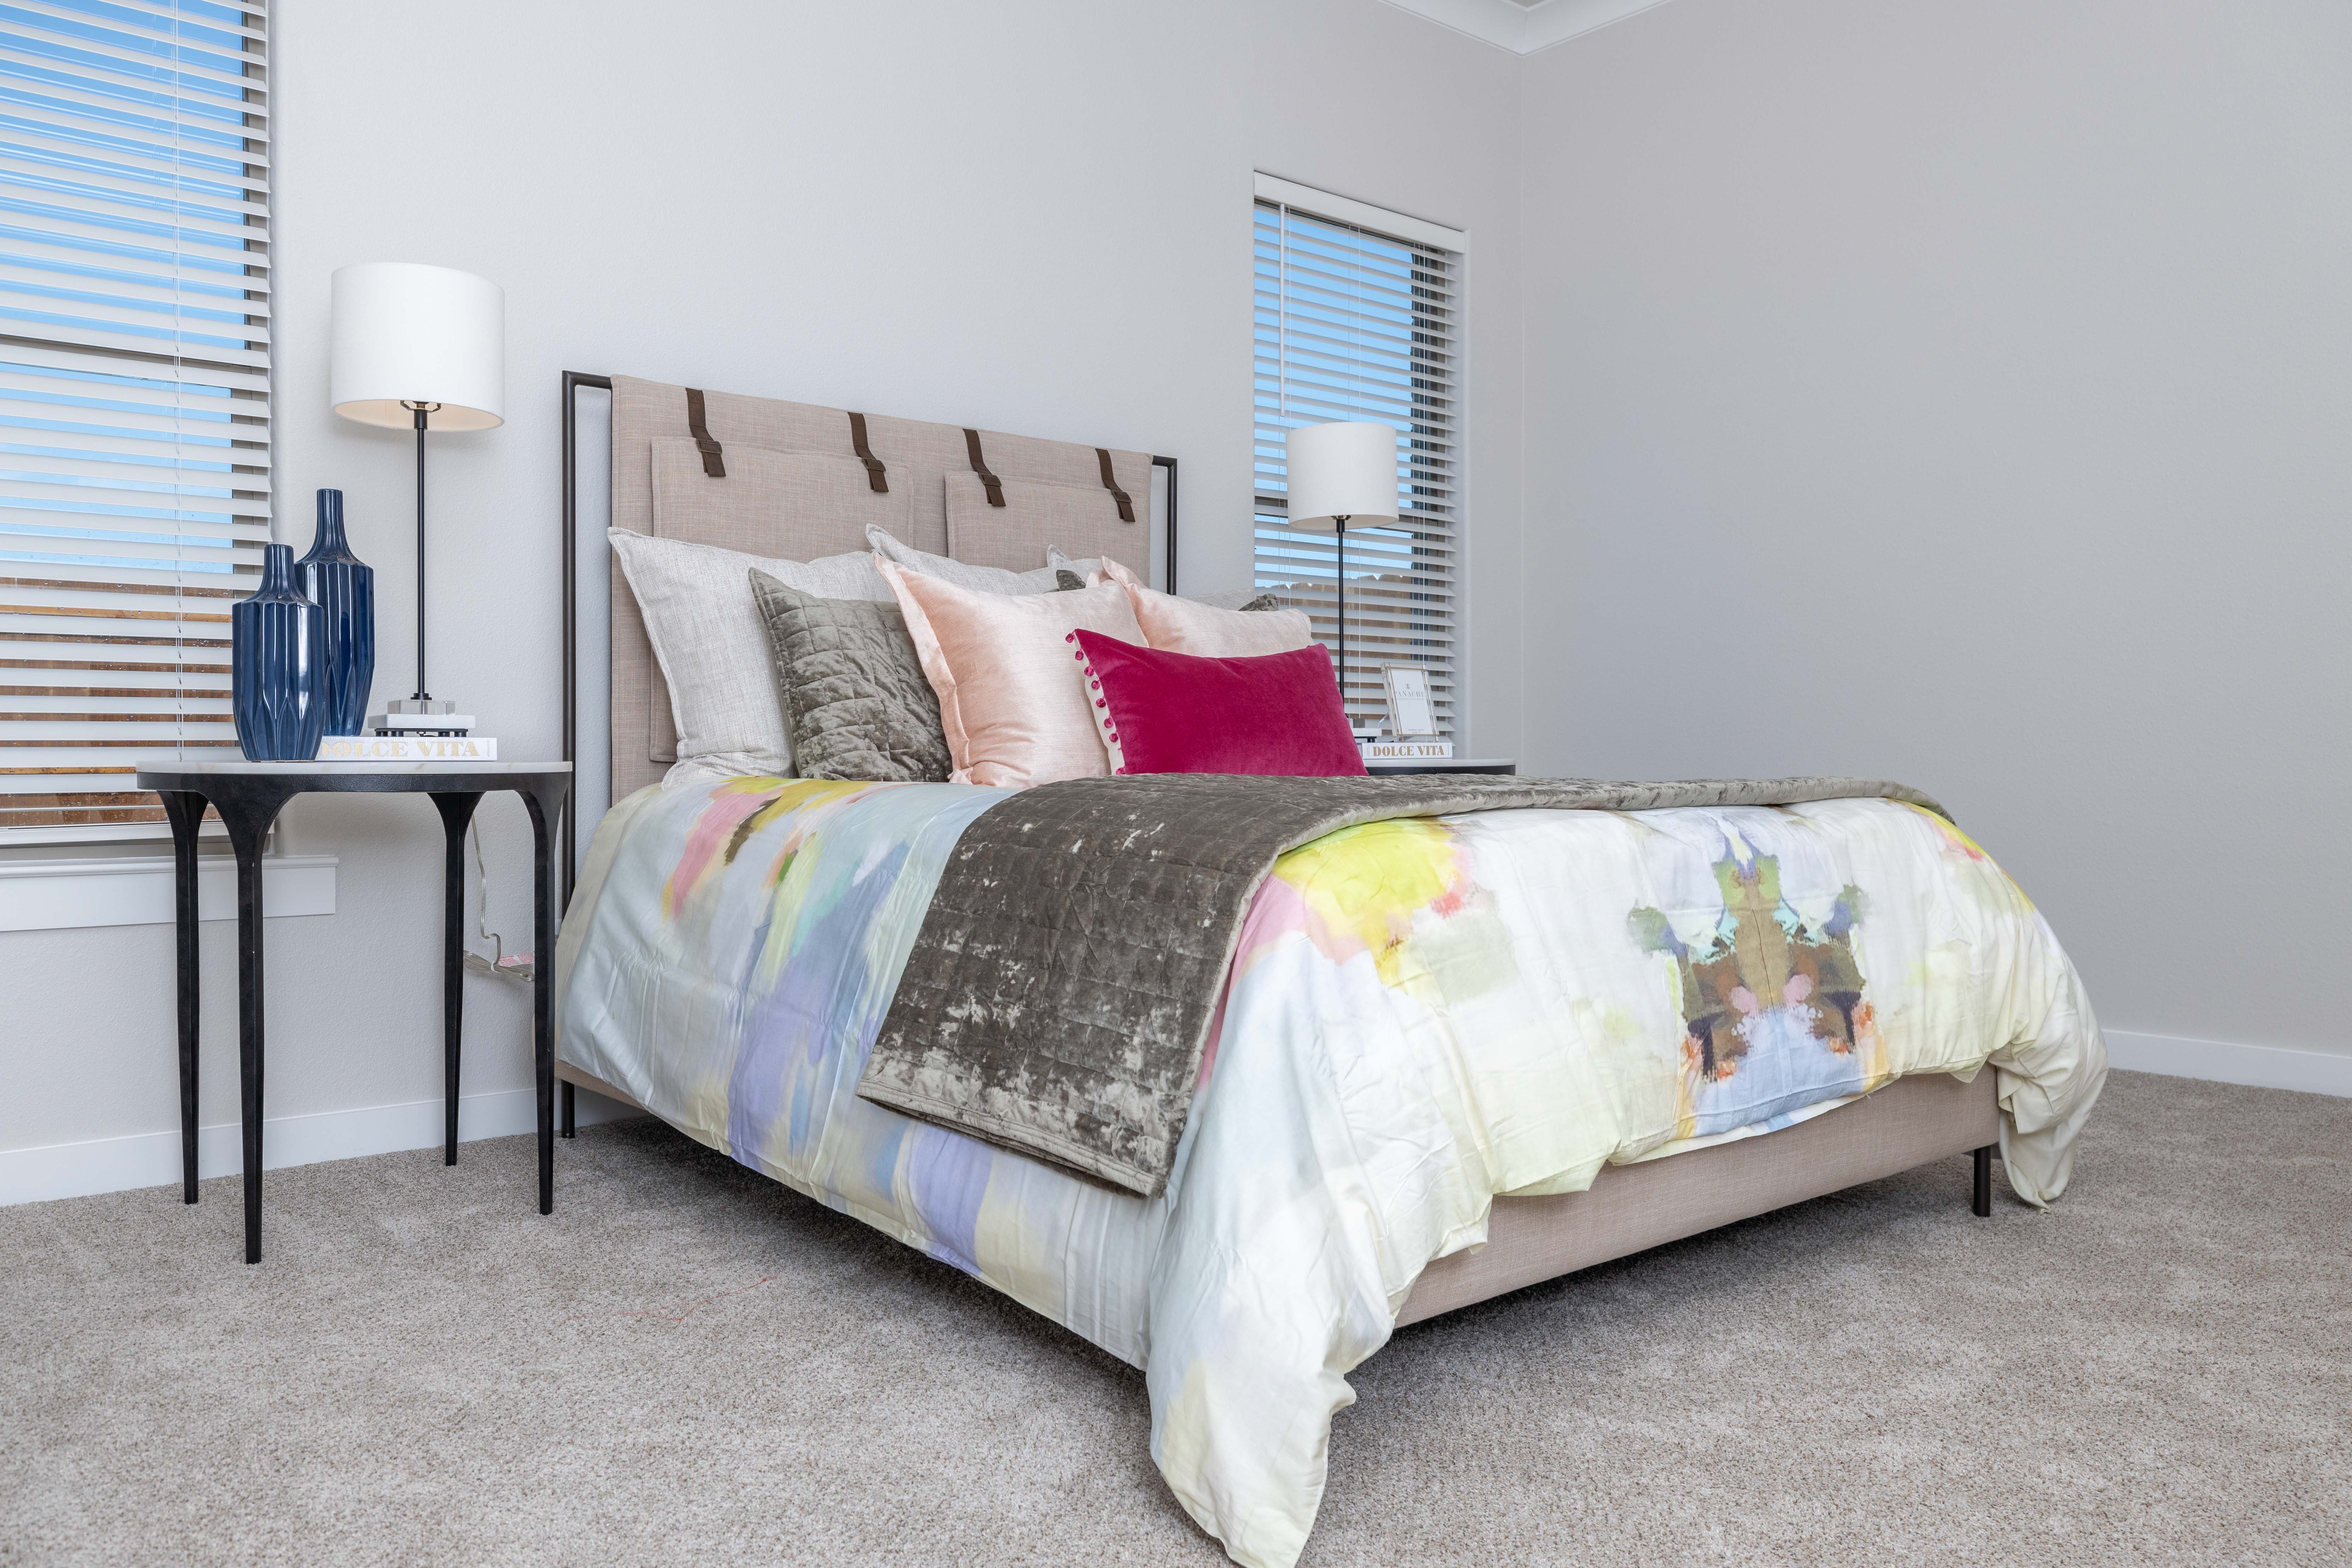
249,796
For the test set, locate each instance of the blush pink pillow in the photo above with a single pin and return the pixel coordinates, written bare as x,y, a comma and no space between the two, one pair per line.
1186,626
1012,699
1163,713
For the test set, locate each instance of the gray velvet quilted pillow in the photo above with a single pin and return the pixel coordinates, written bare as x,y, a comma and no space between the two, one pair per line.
853,691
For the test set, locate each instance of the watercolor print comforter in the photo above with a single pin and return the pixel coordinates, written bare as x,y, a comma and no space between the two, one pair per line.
1421,1014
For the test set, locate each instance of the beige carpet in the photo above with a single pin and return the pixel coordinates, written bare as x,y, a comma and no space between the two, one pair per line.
688,1364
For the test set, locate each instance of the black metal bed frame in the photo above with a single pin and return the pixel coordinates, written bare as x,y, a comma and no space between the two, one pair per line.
573,380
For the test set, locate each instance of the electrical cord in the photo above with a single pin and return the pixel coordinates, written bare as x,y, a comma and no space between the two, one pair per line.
519,968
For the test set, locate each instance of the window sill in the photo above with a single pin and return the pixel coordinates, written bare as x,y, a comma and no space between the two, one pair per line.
61,895
210,831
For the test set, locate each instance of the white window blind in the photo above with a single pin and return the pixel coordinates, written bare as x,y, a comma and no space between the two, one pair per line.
1359,323
134,394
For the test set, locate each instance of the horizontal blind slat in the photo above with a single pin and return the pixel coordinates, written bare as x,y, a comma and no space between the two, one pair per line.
162,33
221,26
233,393
212,77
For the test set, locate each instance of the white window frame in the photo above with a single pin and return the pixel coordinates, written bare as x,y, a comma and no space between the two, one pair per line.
1366,658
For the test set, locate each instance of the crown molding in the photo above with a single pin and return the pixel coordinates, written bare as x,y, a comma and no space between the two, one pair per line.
1556,21
1496,22
1524,29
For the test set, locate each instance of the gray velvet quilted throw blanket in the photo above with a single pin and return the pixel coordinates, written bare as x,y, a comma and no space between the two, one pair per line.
1063,979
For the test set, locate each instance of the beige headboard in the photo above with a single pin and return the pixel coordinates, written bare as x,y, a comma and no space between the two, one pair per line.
786,479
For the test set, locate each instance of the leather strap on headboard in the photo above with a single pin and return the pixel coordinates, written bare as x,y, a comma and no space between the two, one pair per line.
988,481
713,464
875,470
1111,483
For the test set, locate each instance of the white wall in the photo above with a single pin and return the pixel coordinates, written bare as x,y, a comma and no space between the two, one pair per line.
1963,392
1029,218
1954,392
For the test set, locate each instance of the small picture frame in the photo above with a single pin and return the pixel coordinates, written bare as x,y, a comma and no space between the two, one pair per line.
1411,713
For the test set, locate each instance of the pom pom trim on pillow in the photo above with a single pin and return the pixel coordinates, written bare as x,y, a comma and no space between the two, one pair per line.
1104,724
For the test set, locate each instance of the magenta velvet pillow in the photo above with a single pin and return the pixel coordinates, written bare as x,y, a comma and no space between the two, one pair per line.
1164,712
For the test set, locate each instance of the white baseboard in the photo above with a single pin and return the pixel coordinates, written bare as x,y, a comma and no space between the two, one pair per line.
153,1159
2265,1067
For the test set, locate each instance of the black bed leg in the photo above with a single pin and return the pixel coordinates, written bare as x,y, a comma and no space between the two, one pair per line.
570,1088
1983,1205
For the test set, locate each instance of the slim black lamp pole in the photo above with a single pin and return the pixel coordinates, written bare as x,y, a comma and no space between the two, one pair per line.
420,410
1341,523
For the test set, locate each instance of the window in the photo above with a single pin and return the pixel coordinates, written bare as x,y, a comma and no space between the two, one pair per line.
1359,317
135,394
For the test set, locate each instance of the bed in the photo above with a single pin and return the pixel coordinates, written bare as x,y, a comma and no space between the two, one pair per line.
1449,1055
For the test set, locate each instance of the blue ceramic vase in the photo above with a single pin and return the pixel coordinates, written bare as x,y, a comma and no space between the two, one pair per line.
343,587
275,638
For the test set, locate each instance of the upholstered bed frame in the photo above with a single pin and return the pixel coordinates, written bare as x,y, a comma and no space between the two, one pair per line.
798,480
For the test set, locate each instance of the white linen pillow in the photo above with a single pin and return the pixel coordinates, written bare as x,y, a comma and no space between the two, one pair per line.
1223,599
712,766
964,575
713,647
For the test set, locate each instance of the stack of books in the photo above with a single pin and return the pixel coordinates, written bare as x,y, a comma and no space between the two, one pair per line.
399,736
1408,751
408,749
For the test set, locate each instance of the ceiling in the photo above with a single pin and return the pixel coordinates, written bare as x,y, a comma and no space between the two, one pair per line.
1523,27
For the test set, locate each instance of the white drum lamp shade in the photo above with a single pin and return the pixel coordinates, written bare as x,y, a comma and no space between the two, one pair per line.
418,348
1346,470
405,335
1342,473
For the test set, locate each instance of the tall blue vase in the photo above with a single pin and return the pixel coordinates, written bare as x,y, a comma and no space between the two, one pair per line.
343,587
274,640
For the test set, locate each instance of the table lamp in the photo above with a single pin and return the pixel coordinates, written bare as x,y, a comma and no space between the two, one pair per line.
1338,474
412,345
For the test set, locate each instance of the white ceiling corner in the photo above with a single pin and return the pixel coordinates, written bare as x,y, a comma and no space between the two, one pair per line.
1523,27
